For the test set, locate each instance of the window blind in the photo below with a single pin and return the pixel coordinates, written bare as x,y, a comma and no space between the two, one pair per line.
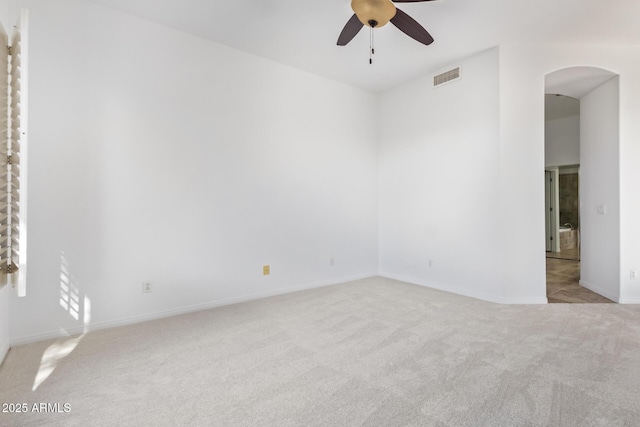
13,157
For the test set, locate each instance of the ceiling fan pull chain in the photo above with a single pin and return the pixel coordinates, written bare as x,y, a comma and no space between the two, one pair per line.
371,50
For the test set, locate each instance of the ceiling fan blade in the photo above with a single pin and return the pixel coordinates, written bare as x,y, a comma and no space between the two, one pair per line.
410,27
350,30
409,1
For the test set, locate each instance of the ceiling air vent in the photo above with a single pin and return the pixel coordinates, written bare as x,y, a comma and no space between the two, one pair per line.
446,77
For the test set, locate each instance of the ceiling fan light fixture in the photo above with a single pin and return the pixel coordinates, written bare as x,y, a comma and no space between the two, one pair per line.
374,13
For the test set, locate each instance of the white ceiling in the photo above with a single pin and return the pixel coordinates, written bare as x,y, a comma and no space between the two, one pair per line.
576,81
564,89
560,106
303,33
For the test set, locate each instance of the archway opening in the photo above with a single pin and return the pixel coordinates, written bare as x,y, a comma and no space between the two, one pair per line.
582,185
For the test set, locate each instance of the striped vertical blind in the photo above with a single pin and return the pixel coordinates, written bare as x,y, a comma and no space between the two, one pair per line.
13,155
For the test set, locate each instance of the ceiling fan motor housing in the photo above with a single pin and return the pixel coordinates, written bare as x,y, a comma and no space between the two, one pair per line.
373,13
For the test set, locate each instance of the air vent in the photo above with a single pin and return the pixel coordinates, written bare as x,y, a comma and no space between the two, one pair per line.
446,77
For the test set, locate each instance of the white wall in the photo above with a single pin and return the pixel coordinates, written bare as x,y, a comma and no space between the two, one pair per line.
157,156
522,71
515,239
599,175
4,322
438,180
562,141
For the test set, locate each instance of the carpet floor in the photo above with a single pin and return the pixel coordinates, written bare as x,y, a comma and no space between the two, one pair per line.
373,352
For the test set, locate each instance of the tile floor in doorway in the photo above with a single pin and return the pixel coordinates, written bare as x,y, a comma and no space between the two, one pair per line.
573,253
563,276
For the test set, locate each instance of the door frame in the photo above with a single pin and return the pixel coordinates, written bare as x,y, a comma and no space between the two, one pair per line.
552,214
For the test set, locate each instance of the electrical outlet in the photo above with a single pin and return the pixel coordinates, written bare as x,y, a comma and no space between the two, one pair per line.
430,263
634,274
332,261
266,270
146,287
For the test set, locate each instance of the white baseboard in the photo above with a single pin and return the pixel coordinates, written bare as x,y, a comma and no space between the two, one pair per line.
183,310
4,350
466,292
598,290
629,301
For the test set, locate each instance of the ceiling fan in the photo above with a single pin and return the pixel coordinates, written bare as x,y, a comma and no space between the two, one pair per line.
375,14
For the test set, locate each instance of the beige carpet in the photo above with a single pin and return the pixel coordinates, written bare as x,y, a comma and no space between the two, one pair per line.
373,352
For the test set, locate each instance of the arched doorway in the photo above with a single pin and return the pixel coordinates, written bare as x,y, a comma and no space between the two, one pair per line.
591,153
